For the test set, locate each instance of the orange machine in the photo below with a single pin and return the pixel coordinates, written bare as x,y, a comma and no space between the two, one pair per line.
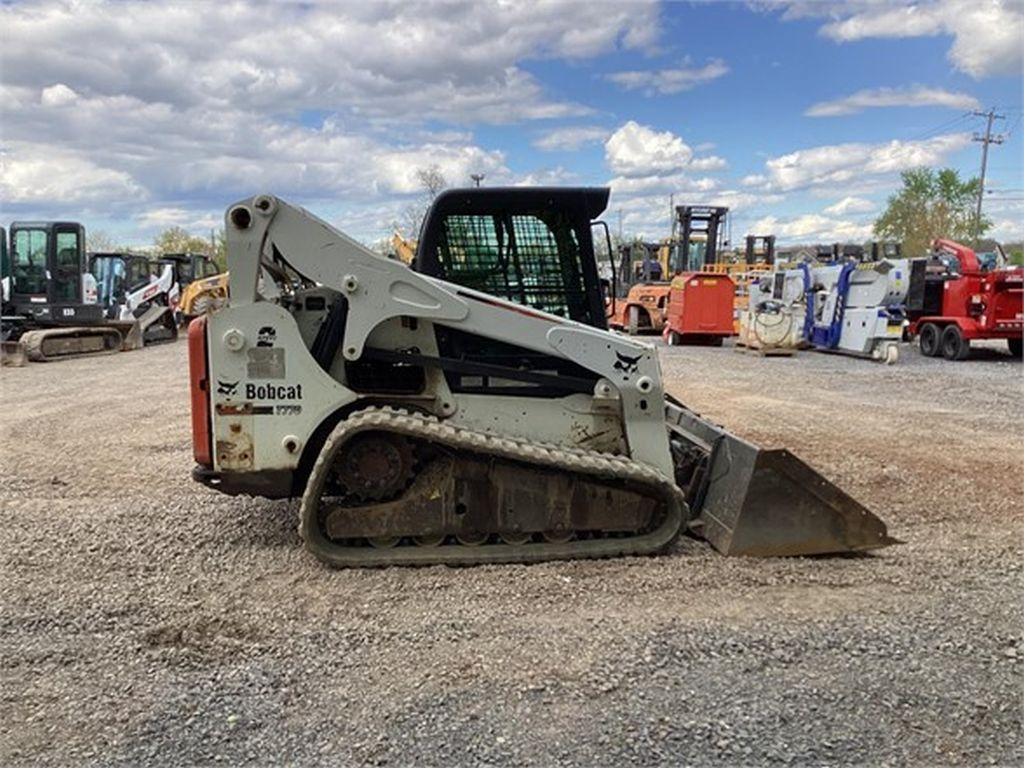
643,288
700,301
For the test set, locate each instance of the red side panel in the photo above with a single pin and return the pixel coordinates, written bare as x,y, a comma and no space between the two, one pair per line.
702,304
199,382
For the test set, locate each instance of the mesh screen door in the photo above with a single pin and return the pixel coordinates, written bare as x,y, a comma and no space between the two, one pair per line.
523,258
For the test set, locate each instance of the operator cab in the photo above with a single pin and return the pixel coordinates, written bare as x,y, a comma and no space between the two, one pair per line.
189,267
117,275
45,275
530,246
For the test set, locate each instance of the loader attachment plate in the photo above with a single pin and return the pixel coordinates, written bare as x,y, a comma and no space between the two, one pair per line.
767,502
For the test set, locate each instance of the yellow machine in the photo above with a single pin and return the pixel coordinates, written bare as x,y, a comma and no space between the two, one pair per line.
205,295
404,249
203,287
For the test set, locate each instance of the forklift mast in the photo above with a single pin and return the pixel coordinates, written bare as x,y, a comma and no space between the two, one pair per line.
692,254
766,249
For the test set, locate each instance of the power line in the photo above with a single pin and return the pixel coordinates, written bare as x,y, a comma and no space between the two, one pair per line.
985,140
927,134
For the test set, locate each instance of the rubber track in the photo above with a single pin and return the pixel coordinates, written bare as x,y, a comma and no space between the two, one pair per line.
33,342
600,466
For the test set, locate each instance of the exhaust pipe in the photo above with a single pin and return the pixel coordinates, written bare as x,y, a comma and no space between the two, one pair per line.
747,500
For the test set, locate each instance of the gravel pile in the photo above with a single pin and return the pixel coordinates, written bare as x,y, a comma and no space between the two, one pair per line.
147,620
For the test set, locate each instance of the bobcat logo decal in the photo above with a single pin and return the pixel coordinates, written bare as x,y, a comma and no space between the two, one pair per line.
627,364
226,387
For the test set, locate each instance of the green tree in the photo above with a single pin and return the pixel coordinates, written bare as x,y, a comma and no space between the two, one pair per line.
931,204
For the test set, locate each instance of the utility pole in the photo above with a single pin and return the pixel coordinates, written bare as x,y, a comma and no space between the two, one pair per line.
985,140
477,177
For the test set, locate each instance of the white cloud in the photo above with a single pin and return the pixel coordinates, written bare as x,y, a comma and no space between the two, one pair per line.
855,162
662,186
570,138
33,173
636,150
161,218
288,56
986,34
814,227
329,104
669,81
57,96
546,177
914,96
709,163
850,205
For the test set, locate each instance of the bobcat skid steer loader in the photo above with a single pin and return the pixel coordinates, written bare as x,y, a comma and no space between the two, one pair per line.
422,421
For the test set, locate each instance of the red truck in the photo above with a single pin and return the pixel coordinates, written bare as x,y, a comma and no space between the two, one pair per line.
963,298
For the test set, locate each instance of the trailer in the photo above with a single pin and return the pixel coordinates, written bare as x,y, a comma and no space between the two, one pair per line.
960,299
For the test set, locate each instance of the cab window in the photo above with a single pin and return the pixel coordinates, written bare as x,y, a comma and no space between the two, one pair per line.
523,258
66,284
28,260
138,274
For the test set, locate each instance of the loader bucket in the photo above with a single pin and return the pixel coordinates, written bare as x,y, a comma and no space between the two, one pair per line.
13,353
764,503
769,503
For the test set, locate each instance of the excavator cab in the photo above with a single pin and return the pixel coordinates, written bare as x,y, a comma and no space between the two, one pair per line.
47,278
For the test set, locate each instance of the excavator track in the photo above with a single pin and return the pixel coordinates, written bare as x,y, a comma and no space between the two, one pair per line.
597,474
50,344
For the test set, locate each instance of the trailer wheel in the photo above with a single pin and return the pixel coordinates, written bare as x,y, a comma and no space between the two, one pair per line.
674,339
954,345
930,340
1016,347
633,324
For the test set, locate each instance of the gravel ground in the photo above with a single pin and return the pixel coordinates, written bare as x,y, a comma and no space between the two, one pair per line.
146,619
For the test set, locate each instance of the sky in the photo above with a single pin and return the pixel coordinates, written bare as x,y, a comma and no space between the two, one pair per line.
132,116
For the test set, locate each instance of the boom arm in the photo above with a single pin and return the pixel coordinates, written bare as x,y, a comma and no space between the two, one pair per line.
265,229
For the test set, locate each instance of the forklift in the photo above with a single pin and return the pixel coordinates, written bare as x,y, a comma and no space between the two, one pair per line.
700,301
50,307
642,289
